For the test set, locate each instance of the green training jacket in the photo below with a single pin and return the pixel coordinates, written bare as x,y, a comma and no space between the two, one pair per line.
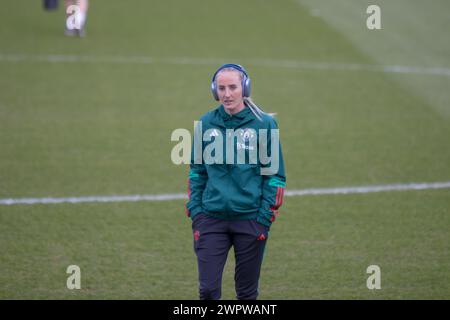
229,189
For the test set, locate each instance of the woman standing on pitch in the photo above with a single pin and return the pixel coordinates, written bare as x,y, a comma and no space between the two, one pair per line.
232,203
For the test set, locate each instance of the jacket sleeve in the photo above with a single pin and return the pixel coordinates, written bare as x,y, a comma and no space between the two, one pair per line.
273,186
197,179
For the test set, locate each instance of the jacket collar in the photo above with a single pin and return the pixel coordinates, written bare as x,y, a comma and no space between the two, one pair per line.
220,116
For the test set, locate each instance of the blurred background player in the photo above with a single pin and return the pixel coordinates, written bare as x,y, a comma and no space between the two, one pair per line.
50,5
76,19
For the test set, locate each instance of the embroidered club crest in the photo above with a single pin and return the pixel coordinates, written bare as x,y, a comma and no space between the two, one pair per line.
247,134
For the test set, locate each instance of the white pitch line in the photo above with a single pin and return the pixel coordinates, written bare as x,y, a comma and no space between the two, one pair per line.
290,64
179,196
130,198
369,189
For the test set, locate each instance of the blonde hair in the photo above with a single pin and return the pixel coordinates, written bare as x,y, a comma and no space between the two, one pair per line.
257,111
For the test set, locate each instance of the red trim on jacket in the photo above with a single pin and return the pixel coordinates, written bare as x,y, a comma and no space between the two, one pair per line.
278,203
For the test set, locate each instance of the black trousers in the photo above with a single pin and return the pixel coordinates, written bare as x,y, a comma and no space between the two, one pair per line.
213,238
